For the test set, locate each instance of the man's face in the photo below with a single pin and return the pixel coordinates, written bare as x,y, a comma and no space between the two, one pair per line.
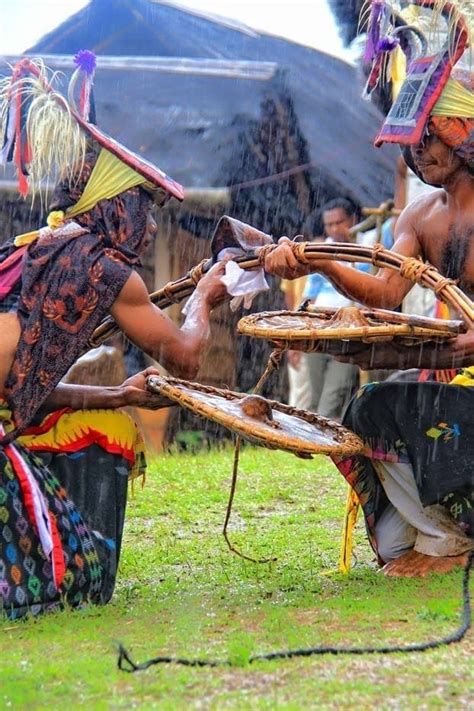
436,162
337,223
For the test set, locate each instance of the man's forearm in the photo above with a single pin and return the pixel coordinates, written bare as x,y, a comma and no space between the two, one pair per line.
196,331
96,397
366,289
85,397
457,354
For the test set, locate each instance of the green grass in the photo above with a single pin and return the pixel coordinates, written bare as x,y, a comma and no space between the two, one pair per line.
181,592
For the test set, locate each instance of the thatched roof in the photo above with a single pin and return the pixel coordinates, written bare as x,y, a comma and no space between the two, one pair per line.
188,124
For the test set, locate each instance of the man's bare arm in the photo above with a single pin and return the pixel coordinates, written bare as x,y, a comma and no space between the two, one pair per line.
458,353
177,349
132,393
386,289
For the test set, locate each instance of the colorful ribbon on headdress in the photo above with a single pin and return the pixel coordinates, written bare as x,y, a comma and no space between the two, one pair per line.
422,85
57,129
85,62
16,147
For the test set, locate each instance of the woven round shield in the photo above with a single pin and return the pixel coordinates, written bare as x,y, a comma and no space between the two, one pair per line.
261,421
305,330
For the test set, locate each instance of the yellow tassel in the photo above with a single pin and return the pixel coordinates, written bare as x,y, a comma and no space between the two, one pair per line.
398,71
350,519
26,238
55,219
465,377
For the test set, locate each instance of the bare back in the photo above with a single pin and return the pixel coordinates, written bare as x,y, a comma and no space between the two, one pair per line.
10,334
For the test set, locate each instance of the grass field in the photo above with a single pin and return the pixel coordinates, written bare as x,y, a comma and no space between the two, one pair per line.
181,592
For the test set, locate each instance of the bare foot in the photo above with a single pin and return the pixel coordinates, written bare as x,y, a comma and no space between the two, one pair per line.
417,565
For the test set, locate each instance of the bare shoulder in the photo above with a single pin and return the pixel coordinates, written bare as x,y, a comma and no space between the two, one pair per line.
134,291
416,220
425,204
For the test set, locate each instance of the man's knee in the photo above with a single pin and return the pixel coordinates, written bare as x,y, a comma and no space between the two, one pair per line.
388,549
394,536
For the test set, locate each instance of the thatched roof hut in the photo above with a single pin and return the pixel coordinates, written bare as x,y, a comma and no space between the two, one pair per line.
173,115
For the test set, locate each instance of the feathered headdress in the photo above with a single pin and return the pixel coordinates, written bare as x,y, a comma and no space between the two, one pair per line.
45,135
423,81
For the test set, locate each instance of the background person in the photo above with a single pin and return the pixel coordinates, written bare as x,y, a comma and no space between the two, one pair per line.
331,382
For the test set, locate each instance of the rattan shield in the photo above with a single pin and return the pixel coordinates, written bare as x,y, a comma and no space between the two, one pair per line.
308,329
278,427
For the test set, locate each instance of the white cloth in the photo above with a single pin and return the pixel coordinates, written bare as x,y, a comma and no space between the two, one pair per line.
408,524
299,394
242,284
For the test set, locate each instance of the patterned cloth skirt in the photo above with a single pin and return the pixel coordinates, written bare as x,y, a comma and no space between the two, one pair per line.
63,493
428,425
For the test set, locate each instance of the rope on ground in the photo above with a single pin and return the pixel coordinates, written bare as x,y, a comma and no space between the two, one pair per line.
125,662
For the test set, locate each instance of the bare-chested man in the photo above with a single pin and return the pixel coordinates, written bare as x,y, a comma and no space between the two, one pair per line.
439,228
415,480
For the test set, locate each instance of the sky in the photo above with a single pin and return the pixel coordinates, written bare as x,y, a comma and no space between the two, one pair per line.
309,22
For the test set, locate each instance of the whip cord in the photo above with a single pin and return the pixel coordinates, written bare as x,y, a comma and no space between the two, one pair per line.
125,662
274,361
